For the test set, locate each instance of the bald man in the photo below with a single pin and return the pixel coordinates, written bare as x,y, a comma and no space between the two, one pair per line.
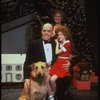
43,49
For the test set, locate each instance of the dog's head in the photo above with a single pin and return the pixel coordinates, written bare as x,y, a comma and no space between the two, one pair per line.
39,71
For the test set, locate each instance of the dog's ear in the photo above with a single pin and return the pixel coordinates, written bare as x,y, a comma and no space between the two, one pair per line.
31,66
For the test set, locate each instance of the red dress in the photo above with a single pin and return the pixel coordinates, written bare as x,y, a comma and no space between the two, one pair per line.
57,68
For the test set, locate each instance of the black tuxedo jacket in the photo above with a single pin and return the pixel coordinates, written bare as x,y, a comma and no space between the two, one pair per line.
36,53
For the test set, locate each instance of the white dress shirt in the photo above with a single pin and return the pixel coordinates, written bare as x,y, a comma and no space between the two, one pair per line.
48,52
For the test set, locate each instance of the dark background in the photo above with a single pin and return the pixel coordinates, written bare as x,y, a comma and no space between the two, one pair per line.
92,14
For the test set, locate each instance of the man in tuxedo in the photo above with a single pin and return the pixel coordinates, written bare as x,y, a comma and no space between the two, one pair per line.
43,49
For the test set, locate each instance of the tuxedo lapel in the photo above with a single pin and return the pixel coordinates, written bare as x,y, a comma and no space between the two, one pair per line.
42,50
53,48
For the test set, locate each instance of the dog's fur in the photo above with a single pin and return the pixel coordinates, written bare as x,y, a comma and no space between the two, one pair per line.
38,83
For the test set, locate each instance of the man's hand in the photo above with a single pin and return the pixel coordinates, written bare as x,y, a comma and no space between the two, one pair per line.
67,65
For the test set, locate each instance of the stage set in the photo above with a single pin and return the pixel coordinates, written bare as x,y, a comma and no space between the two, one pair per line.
16,28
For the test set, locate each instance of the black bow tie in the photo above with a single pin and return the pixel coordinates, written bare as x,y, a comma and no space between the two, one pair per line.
46,41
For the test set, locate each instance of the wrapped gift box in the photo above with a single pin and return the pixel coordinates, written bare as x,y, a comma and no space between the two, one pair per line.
93,78
74,82
81,85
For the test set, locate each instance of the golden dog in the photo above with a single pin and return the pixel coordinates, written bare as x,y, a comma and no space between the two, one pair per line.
38,83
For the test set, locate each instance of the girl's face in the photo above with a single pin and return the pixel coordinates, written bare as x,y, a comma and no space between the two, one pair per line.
57,18
61,37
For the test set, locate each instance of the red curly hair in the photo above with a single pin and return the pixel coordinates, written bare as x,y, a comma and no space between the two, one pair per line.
64,29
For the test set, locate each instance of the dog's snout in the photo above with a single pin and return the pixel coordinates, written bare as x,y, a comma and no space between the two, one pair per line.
39,74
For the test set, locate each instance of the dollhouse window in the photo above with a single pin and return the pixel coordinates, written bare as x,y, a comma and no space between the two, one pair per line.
18,68
8,68
18,76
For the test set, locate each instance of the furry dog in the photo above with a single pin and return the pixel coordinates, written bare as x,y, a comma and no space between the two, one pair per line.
38,82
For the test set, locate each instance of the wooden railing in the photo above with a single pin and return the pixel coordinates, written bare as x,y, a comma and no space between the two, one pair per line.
14,9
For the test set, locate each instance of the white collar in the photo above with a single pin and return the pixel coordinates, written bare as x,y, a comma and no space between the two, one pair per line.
66,41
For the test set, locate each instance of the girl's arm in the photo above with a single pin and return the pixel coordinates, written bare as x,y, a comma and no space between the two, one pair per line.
58,50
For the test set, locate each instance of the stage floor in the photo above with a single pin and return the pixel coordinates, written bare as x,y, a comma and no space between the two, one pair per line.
13,94
10,94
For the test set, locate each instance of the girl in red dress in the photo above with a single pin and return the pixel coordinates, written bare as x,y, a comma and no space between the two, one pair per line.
63,50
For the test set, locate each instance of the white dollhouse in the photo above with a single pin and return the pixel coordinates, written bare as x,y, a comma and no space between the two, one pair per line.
12,67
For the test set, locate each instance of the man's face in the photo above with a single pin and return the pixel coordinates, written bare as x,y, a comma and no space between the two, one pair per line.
46,32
